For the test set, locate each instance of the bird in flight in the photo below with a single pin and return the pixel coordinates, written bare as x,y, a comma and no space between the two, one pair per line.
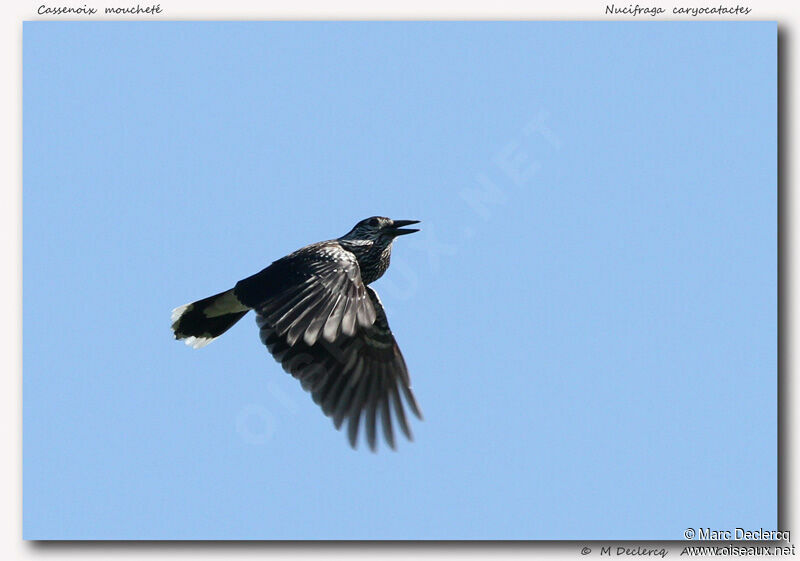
325,325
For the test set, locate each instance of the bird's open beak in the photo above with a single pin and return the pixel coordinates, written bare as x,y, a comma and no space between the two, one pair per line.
397,229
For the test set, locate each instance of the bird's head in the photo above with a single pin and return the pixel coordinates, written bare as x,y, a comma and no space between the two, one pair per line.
379,229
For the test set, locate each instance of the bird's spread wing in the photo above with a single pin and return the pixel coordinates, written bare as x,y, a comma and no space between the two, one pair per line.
314,293
357,374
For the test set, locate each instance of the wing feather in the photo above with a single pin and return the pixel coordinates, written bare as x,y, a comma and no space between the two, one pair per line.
316,288
358,375
386,418
400,413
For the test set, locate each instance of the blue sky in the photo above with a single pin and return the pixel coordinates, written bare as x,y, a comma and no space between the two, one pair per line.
588,315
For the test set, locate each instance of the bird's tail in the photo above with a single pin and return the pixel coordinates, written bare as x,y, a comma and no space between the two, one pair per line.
201,322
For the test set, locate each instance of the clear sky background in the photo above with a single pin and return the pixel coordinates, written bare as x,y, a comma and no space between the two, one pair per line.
588,315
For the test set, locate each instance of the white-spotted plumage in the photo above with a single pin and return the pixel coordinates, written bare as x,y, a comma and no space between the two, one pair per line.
322,322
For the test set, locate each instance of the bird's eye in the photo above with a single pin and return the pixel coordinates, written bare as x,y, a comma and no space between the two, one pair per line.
374,222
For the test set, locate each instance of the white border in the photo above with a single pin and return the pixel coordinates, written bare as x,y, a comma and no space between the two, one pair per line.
12,546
